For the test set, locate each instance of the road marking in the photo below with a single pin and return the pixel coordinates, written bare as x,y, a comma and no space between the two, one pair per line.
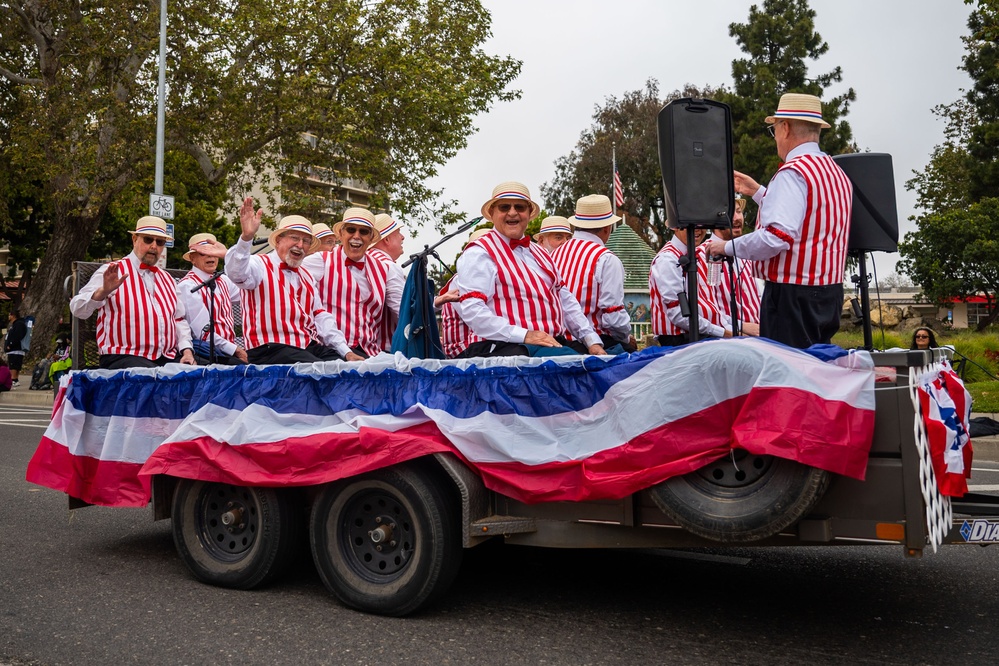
989,486
26,424
994,470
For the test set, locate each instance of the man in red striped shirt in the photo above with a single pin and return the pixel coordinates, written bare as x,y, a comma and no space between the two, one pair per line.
140,317
554,231
226,294
357,287
594,274
747,294
283,318
511,293
804,225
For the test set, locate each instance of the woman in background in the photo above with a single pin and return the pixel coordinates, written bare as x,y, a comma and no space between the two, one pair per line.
923,338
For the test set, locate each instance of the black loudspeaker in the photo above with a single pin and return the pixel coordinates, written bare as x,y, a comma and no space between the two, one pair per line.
874,225
695,155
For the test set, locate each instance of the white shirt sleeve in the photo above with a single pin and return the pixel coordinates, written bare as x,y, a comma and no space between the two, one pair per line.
330,335
244,269
668,277
477,275
180,319
395,282
610,277
197,315
575,320
83,304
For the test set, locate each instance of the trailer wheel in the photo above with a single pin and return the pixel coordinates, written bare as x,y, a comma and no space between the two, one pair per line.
232,536
388,542
741,498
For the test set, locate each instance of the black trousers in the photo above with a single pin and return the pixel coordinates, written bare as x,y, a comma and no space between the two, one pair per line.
121,361
672,340
487,348
277,354
801,315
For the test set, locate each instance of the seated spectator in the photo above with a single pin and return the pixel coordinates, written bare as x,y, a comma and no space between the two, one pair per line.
923,338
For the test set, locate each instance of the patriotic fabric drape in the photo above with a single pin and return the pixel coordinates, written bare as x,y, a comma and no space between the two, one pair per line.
568,428
945,407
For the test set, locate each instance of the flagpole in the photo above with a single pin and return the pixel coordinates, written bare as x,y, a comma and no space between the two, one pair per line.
614,175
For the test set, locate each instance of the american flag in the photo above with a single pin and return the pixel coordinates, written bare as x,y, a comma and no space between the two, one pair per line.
618,191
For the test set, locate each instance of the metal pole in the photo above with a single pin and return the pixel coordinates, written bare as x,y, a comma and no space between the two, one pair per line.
160,102
614,175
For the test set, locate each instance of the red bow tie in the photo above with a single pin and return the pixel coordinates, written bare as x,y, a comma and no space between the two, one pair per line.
523,242
355,264
285,267
146,267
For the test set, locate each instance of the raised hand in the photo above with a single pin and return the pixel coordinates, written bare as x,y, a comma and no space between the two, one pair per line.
249,220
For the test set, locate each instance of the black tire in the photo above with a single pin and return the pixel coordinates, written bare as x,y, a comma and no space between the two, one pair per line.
233,536
750,498
388,542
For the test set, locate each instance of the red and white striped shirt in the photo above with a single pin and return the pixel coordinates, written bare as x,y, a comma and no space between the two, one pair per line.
390,319
522,297
666,281
356,299
455,334
748,298
280,309
196,305
142,317
818,255
579,261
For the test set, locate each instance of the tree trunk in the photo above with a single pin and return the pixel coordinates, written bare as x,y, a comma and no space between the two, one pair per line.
45,299
988,321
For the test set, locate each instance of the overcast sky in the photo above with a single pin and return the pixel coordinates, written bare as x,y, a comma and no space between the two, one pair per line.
901,57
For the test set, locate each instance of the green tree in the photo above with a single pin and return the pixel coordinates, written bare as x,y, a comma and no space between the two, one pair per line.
981,62
945,183
629,125
779,39
954,254
388,88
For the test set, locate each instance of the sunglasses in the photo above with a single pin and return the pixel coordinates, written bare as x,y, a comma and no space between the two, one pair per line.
922,337
363,232
149,240
771,129
519,207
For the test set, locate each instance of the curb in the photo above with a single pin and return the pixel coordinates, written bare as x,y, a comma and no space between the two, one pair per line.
25,397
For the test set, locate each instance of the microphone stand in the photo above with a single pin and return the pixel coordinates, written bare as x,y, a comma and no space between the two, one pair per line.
431,250
211,284
736,324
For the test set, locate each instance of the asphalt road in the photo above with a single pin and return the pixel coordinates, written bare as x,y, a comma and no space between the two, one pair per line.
104,586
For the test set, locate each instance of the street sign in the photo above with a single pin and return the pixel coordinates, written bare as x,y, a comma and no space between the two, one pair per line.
161,205
169,227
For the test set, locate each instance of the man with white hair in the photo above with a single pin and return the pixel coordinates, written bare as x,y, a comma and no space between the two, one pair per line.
594,274
389,249
355,287
554,231
140,316
283,317
804,226
511,293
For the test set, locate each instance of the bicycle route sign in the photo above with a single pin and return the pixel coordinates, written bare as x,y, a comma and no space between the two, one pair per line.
161,205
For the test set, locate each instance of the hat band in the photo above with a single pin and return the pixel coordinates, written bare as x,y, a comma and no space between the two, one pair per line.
556,228
324,233
297,227
149,230
390,228
358,220
203,242
512,195
594,218
798,113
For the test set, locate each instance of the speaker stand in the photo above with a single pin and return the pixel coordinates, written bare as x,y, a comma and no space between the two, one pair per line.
691,269
865,297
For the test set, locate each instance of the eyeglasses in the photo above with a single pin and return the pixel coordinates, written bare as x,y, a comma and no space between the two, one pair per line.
149,240
922,337
519,207
363,232
771,129
297,240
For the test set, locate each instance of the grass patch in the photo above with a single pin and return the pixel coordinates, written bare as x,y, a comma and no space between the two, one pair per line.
985,396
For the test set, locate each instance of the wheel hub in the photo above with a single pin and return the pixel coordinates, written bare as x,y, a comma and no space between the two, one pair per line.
227,520
378,537
736,470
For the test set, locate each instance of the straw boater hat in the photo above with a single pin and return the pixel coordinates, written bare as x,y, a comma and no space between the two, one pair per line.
198,240
477,234
796,106
593,212
293,223
554,224
362,217
321,230
740,203
512,191
386,225
150,225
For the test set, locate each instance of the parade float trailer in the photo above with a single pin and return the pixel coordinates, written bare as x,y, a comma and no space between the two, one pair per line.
394,466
